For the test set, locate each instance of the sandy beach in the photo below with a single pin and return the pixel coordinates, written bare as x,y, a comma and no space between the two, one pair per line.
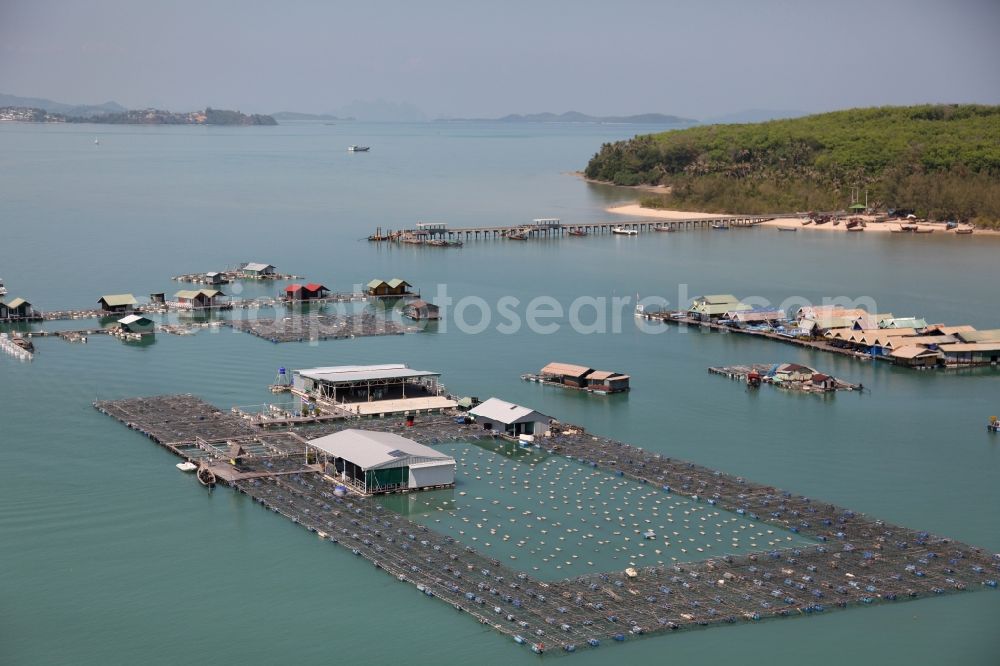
635,210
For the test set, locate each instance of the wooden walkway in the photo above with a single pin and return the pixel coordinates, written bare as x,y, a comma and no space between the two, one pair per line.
558,230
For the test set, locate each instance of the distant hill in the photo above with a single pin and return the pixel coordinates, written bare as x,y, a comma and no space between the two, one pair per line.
577,117
380,111
60,107
942,161
294,115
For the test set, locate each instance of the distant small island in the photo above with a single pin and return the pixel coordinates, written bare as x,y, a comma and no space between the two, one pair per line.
577,117
209,116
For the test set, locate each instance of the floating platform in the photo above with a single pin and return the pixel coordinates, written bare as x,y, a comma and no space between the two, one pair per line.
313,327
788,376
856,560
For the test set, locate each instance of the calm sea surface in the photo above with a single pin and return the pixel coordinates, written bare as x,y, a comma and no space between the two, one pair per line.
108,555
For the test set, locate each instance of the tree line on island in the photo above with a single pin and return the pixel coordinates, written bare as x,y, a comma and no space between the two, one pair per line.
941,161
209,116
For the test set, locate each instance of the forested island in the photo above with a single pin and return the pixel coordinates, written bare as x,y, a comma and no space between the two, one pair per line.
209,116
941,161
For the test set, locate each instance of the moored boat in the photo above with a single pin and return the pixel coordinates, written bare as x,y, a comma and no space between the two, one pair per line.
358,149
665,229
964,232
622,231
577,232
518,236
718,226
787,229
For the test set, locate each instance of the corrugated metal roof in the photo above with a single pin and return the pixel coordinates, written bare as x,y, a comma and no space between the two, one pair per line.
972,347
361,373
315,286
371,449
16,303
913,351
187,293
716,299
375,283
118,299
990,335
255,267
505,412
395,282
903,322
132,319
565,369
601,375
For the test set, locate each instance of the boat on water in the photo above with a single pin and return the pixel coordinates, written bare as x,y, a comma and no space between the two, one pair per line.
622,231
720,227
358,149
518,236
993,425
186,466
453,243
858,228
664,229
787,229
437,242
577,232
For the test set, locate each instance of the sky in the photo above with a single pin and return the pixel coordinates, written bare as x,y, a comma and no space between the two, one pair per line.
695,59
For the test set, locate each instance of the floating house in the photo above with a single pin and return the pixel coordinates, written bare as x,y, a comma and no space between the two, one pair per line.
754,316
215,277
117,302
421,310
393,287
382,462
582,377
373,389
715,306
305,292
971,353
916,356
136,324
18,309
198,298
256,271
507,418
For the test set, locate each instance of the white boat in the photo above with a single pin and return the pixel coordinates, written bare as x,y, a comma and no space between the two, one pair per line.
622,231
358,149
187,466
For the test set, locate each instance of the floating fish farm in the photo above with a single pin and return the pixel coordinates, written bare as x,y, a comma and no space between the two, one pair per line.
796,556
305,328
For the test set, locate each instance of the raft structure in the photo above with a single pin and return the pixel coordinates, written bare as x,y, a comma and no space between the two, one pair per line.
580,378
848,559
789,376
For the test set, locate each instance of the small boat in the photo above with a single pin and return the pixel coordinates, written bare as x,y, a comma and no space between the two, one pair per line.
665,229
358,149
923,230
856,228
907,227
631,572
787,229
964,232
206,477
97,142
518,236
622,231
577,232
437,242
993,425
186,466
720,227
23,342
807,221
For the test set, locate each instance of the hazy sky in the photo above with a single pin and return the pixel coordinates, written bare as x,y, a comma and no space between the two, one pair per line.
468,58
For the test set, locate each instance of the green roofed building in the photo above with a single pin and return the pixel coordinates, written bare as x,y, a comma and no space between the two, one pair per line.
714,306
382,462
117,302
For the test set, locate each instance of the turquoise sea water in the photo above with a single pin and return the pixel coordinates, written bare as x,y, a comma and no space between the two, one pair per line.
109,555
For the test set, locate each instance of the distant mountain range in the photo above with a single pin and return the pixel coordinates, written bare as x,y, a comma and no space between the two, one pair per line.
83,110
295,115
577,117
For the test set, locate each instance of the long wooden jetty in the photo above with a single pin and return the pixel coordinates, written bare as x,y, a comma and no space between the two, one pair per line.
560,229
855,561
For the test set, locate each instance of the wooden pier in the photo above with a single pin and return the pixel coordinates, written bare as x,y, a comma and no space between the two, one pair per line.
856,560
560,229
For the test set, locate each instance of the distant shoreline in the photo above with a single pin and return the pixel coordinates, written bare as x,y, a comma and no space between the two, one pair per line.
635,210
